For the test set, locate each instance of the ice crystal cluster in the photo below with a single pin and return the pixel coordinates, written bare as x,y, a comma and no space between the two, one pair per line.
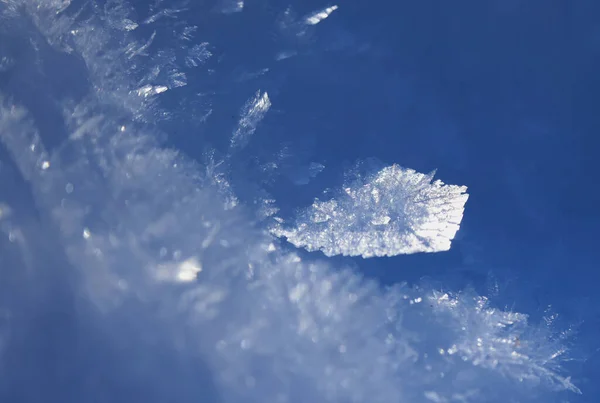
130,272
390,212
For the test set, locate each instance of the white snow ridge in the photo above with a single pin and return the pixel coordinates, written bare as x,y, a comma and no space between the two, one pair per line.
391,212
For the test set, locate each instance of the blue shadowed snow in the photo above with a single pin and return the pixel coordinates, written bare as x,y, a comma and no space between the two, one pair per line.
149,150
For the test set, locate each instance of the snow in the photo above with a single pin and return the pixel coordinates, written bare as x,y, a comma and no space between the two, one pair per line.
388,212
251,114
149,281
316,18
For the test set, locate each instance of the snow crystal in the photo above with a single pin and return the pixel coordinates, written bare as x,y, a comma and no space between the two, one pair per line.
197,55
393,211
317,17
135,49
252,113
149,90
165,13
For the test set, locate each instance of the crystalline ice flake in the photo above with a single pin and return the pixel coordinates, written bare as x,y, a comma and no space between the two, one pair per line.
319,16
393,211
252,113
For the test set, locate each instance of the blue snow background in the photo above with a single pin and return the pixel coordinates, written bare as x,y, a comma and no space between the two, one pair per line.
501,96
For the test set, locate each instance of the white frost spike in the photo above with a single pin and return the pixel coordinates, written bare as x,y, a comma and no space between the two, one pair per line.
394,211
316,18
134,49
169,13
252,113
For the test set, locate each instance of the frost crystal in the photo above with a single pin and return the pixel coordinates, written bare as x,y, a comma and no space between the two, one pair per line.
252,113
394,211
149,90
317,17
197,55
165,13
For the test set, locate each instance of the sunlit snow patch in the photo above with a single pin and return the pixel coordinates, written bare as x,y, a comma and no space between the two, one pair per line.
391,212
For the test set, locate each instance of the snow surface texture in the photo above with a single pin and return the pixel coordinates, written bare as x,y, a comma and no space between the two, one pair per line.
390,212
134,275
